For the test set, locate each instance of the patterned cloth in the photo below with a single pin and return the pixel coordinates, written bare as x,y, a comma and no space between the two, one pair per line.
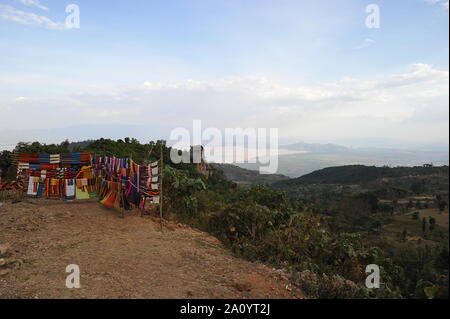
53,175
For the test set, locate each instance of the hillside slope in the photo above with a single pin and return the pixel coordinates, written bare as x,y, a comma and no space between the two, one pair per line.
359,174
121,258
244,176
302,158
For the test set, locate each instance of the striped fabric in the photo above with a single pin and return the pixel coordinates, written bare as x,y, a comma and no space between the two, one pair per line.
51,171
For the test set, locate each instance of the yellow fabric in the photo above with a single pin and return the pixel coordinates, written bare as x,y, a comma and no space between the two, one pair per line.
87,172
81,195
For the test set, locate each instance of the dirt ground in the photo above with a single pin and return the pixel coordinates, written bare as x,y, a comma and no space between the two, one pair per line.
129,257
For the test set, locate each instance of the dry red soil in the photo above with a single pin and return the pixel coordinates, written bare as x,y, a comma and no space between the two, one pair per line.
131,257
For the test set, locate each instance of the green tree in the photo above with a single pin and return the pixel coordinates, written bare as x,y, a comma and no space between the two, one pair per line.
5,164
424,225
443,258
432,223
404,234
442,205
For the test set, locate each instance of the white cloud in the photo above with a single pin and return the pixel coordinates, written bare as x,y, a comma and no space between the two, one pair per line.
365,44
419,72
28,18
443,3
385,107
33,3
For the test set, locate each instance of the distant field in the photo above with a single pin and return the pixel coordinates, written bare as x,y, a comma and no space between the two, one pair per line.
442,218
415,198
423,197
393,230
246,177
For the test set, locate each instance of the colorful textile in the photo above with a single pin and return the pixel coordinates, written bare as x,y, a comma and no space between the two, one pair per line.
118,182
69,189
6,186
53,188
41,188
32,186
137,183
53,171
155,199
80,194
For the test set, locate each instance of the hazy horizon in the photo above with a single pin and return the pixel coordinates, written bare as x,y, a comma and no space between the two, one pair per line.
371,143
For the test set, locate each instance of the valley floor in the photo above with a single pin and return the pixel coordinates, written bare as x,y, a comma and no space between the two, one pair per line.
129,257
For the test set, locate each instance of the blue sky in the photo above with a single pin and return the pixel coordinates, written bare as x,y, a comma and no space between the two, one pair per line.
312,68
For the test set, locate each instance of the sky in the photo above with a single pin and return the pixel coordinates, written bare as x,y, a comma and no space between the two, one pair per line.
312,69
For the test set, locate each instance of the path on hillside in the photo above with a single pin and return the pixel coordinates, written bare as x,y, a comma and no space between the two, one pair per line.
121,258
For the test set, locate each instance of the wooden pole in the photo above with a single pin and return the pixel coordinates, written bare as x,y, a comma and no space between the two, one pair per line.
161,185
149,153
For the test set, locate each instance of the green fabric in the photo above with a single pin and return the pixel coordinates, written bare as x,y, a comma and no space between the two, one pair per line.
94,194
82,195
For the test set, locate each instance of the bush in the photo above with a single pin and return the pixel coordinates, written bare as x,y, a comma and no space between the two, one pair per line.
180,188
308,282
337,287
243,221
327,287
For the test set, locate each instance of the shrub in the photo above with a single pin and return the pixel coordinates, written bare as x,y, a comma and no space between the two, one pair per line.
327,287
337,287
308,282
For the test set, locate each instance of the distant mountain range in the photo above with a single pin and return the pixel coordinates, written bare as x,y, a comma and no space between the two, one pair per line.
302,158
360,174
